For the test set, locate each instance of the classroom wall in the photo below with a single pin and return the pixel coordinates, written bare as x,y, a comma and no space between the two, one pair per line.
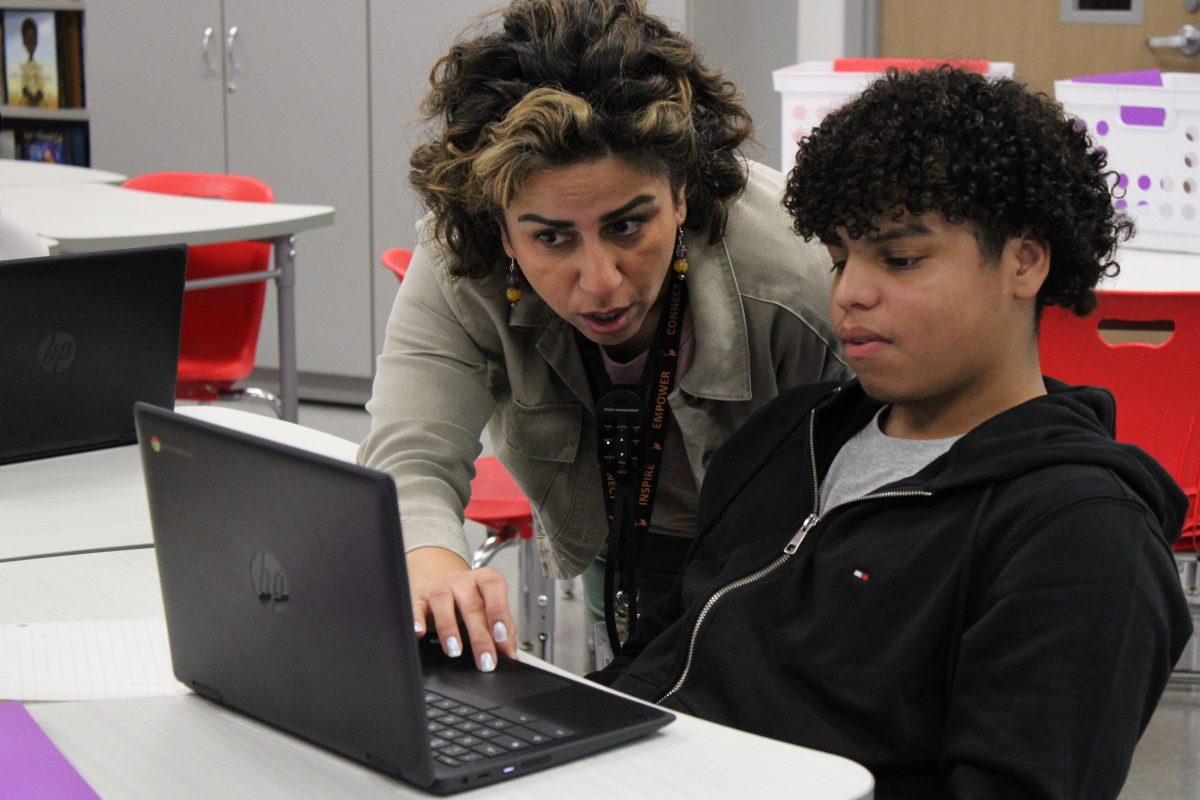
747,47
400,64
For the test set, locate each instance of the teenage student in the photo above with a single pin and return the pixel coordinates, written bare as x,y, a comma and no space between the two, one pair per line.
945,569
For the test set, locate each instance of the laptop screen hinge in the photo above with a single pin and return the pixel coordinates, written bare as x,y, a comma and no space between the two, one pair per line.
206,691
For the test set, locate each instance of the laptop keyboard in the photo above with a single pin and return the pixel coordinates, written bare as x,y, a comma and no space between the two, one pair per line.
460,733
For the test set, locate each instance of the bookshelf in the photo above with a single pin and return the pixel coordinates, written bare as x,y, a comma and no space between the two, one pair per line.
51,123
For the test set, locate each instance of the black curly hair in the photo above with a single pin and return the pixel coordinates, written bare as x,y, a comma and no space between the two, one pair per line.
564,81
978,150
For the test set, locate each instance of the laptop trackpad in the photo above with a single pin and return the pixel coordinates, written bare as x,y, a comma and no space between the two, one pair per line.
511,681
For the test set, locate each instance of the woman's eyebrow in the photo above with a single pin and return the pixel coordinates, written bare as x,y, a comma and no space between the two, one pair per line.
625,209
606,217
553,223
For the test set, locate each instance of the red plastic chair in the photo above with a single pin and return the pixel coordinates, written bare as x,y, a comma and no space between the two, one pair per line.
1156,386
499,505
1157,389
396,259
220,325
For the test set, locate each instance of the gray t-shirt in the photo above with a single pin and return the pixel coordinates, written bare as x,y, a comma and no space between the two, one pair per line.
872,459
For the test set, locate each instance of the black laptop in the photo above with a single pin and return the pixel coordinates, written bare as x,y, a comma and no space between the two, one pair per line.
81,338
286,599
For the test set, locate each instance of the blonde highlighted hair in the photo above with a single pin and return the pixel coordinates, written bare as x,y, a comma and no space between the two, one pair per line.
565,81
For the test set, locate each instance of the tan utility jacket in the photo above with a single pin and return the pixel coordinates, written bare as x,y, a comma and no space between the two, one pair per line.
456,358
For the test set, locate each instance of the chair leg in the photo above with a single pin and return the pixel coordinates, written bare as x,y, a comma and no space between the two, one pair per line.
1189,574
1187,671
494,543
537,604
263,396
256,394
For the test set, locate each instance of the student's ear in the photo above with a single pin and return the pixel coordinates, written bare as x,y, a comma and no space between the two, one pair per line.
1031,262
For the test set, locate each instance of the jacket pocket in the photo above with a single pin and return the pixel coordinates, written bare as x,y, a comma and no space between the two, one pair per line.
539,445
545,432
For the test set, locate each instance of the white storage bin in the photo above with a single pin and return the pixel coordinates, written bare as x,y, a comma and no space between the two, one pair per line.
811,89
1152,136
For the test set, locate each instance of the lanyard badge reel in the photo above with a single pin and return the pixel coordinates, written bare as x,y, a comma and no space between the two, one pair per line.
630,452
620,417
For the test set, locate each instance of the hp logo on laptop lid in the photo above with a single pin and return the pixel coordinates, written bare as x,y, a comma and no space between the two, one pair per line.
57,351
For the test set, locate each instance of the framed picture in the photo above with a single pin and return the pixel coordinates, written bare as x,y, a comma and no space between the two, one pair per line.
31,58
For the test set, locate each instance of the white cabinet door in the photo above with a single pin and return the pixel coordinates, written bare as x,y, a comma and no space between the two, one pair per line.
297,110
406,38
154,91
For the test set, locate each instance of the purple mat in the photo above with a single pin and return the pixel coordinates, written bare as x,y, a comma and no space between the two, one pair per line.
31,767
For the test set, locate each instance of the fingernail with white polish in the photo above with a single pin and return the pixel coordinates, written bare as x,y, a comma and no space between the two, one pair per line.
418,626
486,662
453,648
500,632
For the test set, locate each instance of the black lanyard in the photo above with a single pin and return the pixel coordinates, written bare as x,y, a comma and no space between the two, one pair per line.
632,423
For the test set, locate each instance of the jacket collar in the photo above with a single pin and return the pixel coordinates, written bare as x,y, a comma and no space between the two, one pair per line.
720,367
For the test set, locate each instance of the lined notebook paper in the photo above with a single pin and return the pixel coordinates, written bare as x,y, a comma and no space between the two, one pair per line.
86,660
31,766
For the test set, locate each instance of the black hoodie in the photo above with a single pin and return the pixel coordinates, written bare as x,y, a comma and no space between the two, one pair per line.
1000,624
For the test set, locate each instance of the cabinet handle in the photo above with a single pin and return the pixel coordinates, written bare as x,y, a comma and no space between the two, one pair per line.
229,42
206,48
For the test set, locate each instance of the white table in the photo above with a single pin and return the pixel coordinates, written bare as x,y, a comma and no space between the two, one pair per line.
87,217
37,173
95,501
181,746
185,747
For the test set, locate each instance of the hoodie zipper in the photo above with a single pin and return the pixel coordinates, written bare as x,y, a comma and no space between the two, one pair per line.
788,551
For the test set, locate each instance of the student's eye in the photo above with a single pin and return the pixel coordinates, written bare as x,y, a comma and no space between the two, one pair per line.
902,262
839,264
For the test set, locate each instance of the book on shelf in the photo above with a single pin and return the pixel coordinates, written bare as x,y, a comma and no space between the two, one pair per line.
31,58
49,140
70,59
43,58
43,145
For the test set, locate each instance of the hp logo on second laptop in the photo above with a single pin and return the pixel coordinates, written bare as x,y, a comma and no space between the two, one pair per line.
57,351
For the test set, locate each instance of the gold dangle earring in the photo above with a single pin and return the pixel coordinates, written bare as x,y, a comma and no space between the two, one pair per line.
513,293
680,264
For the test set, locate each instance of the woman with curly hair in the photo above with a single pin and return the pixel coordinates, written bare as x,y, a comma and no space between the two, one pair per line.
605,284
946,569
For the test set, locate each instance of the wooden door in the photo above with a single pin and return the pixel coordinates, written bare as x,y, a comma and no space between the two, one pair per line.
154,85
1032,35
